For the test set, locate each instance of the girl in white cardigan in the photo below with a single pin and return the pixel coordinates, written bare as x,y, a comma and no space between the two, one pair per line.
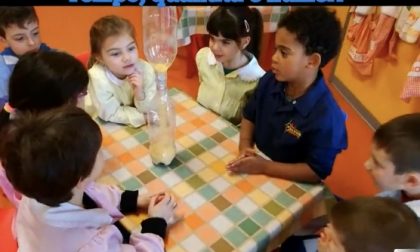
121,85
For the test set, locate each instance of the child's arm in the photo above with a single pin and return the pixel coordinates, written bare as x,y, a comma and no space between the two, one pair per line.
148,87
111,198
319,159
300,172
162,213
106,103
108,239
246,140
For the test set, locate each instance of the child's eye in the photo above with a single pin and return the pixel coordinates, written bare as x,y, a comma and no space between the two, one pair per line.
115,54
226,42
132,48
18,38
283,54
35,33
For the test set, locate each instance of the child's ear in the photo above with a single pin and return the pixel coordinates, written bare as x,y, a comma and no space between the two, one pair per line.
4,41
314,60
411,182
245,42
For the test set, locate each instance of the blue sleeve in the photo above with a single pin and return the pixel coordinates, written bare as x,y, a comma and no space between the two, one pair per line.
4,80
321,161
324,144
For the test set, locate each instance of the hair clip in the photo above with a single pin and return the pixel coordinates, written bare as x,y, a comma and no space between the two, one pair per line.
247,29
9,109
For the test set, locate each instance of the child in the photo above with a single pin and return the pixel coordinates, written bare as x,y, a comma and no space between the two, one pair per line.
53,158
121,84
41,81
395,161
292,116
19,31
370,225
228,69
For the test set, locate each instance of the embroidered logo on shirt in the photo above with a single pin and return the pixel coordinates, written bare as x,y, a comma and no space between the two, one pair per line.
292,130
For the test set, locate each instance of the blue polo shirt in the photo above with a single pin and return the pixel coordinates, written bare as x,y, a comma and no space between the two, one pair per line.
310,129
8,61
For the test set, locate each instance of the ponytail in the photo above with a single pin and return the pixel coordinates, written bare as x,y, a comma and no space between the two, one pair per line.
256,24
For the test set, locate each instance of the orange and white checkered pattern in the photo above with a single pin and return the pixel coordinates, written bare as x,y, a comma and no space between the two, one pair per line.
412,85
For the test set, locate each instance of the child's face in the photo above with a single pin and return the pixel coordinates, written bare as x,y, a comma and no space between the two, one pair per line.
119,54
289,60
225,50
22,40
329,240
382,170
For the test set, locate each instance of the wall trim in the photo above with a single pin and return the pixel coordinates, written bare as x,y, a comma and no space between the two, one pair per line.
355,103
346,93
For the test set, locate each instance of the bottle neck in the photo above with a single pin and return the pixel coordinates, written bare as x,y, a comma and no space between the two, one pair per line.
161,81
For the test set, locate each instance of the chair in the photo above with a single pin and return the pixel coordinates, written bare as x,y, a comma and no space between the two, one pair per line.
84,58
8,242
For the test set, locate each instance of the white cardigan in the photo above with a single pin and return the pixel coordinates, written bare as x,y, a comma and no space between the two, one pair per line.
115,99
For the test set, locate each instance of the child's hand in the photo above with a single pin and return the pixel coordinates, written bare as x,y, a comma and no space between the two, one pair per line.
164,206
136,80
247,164
143,199
248,152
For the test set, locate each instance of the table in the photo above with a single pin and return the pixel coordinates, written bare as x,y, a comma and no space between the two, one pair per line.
192,25
222,212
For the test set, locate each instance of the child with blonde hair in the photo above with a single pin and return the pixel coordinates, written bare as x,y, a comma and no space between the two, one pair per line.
121,85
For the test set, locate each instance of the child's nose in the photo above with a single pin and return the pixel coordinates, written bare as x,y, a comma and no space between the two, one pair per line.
126,57
31,42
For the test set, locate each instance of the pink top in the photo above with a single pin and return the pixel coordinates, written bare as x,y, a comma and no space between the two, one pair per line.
11,194
70,228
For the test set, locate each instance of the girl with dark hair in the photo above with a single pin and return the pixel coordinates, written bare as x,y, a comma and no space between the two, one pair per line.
39,82
228,69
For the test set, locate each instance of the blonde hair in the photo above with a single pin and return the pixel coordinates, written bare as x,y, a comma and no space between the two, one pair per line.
105,27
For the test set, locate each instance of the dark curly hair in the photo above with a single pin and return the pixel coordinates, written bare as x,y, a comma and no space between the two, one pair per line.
317,29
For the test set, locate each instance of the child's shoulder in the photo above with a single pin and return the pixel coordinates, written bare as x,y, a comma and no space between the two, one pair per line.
96,70
203,54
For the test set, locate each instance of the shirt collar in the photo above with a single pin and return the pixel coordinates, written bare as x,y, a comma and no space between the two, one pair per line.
10,58
250,72
114,79
306,102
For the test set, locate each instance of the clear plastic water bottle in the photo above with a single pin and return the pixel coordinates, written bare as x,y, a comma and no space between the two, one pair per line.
160,48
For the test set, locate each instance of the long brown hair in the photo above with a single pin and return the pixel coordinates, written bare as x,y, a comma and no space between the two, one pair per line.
105,27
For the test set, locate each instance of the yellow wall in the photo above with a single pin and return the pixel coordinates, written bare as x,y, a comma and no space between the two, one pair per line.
379,94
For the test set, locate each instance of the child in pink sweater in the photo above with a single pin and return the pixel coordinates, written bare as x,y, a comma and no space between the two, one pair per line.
52,158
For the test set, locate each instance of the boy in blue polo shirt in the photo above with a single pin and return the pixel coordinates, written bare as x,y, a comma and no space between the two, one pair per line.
19,31
292,116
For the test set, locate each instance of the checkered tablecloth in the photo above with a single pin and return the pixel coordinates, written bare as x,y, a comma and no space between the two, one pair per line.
193,20
222,212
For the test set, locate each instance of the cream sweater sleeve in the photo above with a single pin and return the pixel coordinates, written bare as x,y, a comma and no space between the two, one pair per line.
149,86
109,100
